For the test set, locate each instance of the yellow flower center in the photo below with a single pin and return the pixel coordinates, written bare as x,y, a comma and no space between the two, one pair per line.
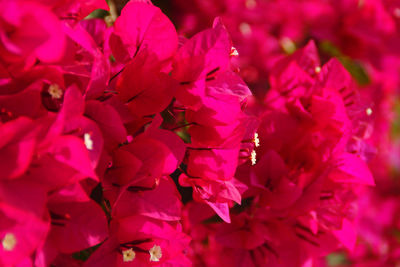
88,141
155,253
128,255
9,241
256,140
55,91
253,157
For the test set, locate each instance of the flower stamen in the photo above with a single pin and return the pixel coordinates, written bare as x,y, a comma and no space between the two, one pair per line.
88,141
55,91
253,157
128,255
155,253
9,241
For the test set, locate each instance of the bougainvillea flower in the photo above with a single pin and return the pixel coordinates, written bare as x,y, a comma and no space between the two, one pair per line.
27,36
109,122
224,135
117,142
217,109
143,87
218,194
201,58
351,169
77,222
18,141
140,241
139,167
162,203
171,140
214,163
92,74
143,26
22,228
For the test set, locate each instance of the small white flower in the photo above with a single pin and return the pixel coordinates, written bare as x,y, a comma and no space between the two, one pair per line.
253,157
256,140
55,91
88,141
9,241
234,52
128,255
155,253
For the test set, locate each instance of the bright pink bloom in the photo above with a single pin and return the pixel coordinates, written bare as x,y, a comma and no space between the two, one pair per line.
140,241
27,36
22,228
143,26
143,87
199,60
17,147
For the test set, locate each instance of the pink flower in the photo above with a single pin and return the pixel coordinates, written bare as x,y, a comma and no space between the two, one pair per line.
142,85
140,241
17,148
143,26
27,36
22,227
199,60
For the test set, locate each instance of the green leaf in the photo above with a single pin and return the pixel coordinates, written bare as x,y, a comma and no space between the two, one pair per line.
337,259
354,67
83,255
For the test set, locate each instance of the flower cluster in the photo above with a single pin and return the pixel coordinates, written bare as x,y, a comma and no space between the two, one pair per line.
364,36
123,143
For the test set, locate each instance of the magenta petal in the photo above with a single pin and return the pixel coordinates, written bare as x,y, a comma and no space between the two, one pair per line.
28,231
85,226
142,26
205,52
106,255
143,86
21,218
162,203
71,151
347,235
36,34
213,164
229,83
352,169
222,209
172,141
16,147
74,104
109,122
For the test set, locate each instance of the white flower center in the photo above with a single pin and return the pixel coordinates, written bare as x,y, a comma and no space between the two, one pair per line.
88,141
368,111
256,140
128,255
317,69
9,241
253,157
234,52
55,91
155,253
